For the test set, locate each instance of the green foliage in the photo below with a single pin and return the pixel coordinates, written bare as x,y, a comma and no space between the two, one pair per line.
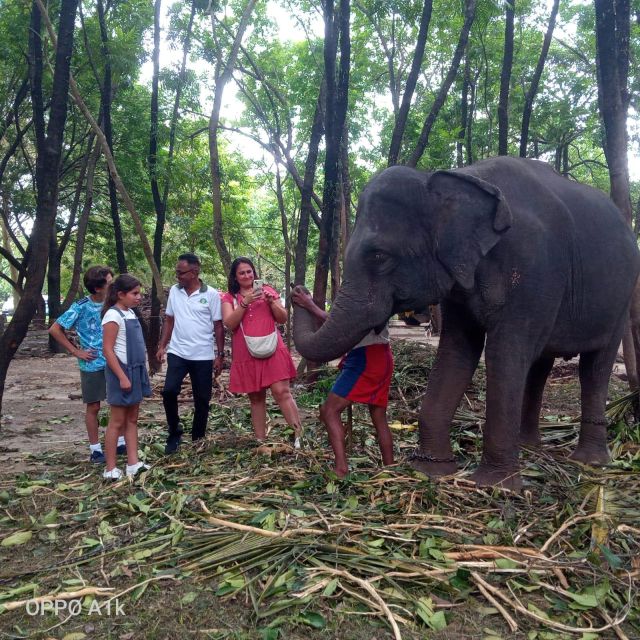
271,104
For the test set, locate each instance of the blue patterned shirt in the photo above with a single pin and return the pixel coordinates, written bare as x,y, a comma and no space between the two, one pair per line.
84,316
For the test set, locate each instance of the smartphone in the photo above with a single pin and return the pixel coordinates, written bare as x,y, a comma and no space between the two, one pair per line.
257,285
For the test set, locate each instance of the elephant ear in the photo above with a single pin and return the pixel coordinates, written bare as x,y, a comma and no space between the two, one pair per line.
469,217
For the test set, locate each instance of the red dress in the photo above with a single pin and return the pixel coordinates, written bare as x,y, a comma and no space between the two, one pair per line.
249,374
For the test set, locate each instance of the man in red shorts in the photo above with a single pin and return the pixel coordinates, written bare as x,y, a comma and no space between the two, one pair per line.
365,378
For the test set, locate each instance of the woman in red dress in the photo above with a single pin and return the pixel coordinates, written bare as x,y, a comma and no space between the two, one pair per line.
256,312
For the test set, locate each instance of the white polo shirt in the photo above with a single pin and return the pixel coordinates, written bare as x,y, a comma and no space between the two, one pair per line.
192,337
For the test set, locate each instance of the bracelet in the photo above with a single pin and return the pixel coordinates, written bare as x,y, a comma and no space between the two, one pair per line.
243,304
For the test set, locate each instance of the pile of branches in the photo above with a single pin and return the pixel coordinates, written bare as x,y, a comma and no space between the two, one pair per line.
273,526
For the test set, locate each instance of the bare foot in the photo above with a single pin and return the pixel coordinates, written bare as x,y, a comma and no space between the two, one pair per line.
341,472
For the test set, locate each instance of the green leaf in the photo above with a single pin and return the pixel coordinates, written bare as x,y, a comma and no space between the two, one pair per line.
51,517
584,600
330,588
312,619
611,558
139,591
539,612
378,542
12,593
188,598
91,542
19,537
506,563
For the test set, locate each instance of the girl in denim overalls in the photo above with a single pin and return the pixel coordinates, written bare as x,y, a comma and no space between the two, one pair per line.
126,372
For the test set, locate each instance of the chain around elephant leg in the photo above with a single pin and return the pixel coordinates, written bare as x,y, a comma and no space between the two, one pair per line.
432,466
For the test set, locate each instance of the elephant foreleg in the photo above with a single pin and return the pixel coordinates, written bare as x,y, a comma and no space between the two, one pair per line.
508,364
532,401
457,358
595,371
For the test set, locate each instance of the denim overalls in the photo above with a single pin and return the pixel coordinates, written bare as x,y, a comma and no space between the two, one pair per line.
135,369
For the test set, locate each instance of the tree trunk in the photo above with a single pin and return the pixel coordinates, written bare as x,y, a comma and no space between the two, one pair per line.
81,231
505,81
612,60
423,140
106,96
306,194
58,249
160,201
464,111
287,250
336,32
214,121
137,222
412,79
49,150
535,81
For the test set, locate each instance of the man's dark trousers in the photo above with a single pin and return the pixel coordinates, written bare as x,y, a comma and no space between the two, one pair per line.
201,373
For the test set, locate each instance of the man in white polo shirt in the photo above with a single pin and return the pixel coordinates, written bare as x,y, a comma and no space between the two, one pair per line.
192,319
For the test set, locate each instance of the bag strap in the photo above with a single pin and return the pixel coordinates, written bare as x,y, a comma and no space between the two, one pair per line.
235,306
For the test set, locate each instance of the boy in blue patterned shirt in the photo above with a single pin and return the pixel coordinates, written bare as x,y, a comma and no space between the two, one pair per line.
84,316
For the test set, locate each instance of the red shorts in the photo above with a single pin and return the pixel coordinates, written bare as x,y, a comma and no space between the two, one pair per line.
365,375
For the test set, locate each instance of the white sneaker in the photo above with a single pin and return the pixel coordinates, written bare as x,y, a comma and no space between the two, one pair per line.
132,469
114,474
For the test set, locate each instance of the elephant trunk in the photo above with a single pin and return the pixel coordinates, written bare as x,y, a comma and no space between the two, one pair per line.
342,330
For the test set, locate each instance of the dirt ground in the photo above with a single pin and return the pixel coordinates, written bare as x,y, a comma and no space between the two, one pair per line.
43,411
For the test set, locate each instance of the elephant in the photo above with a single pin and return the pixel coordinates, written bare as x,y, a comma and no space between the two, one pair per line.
526,264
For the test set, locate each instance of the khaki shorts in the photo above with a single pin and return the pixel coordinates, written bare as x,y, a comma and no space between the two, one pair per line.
93,385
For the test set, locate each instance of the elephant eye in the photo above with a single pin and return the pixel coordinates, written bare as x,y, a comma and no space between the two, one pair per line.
380,261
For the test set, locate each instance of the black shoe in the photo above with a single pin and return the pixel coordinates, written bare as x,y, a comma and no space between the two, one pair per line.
172,446
97,457
121,449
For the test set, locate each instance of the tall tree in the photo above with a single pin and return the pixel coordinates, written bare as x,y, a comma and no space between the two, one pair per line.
423,139
49,150
160,197
612,60
224,70
113,170
306,192
106,97
337,36
535,81
412,79
505,80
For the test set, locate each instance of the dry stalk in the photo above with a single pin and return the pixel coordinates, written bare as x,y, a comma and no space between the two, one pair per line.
370,590
482,585
565,525
63,595
549,623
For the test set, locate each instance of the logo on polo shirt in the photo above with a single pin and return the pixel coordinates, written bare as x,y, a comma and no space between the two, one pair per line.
203,301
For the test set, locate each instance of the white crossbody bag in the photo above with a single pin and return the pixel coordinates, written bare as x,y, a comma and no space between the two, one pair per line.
260,347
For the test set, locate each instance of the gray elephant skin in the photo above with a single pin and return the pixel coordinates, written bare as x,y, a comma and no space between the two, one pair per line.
525,263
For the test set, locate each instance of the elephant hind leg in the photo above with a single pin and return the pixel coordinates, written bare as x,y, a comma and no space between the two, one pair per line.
532,401
595,371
